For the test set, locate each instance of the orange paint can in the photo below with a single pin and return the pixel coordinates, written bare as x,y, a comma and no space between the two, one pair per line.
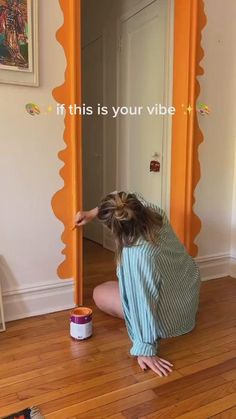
81,323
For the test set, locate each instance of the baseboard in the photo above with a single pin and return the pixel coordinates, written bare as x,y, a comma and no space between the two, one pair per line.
233,266
39,299
58,295
215,266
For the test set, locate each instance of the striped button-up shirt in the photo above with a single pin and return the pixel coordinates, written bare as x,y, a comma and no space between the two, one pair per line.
159,286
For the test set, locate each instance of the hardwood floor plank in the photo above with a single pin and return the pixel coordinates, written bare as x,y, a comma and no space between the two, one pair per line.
7,366
208,362
166,398
211,408
200,406
198,338
110,397
230,375
106,410
65,378
65,401
51,401
182,389
226,414
8,400
79,384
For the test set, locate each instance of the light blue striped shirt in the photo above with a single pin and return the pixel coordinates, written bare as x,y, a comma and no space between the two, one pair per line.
159,286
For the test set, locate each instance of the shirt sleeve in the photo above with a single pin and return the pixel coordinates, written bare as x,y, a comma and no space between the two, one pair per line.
139,285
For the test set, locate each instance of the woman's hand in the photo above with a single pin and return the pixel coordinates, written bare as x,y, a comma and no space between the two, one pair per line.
84,217
158,365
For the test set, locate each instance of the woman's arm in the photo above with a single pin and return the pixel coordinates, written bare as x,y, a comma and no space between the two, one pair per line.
84,217
139,284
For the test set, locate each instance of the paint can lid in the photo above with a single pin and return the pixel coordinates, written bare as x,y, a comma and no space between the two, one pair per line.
81,312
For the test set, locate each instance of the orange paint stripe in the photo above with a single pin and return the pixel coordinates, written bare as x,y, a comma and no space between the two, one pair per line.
68,200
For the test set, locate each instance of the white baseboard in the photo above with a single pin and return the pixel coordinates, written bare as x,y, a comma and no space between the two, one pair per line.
39,299
216,266
232,271
58,295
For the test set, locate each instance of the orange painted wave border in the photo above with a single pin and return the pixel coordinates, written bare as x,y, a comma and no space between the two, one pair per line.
68,200
190,19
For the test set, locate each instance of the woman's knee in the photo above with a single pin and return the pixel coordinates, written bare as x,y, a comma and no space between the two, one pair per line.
107,298
100,293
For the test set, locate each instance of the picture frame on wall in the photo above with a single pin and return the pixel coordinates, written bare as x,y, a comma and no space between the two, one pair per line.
19,42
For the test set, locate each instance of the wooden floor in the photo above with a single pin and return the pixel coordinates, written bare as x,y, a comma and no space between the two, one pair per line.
41,366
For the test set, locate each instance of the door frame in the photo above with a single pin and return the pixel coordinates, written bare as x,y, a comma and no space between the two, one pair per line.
189,20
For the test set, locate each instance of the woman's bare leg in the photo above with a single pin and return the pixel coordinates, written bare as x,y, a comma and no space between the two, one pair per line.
107,297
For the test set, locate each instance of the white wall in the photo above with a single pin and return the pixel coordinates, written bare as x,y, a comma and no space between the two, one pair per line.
214,193
30,242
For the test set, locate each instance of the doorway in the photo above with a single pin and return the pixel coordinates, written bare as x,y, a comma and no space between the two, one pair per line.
118,147
189,20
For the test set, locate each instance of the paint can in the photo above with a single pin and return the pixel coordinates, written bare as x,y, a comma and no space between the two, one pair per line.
81,323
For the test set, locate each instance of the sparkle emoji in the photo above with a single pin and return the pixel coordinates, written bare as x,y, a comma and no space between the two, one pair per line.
188,109
32,109
203,109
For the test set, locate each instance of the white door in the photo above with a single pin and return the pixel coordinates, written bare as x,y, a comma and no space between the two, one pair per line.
142,80
92,93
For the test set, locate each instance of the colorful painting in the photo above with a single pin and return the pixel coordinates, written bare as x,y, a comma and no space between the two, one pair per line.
15,35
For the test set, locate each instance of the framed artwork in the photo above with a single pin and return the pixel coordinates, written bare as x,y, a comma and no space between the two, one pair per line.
19,42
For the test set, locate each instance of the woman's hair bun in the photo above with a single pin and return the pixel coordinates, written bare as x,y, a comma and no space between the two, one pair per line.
122,212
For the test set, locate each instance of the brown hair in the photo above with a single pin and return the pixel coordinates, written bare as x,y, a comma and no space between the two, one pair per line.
128,219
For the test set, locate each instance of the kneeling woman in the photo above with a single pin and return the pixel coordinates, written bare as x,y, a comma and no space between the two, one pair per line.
159,283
